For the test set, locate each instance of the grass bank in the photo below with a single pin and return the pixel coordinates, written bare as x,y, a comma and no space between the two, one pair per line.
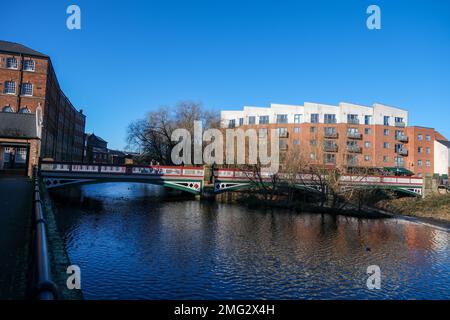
435,207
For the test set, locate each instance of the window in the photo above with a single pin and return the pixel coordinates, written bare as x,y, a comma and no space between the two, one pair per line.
312,156
419,149
420,137
398,147
314,118
282,118
428,163
385,158
366,157
283,132
367,131
367,120
399,162
297,118
251,120
386,132
232,123
296,142
352,118
367,144
296,130
11,63
313,142
25,110
283,144
428,150
28,65
313,129
263,119
330,132
399,121
386,120
352,159
330,158
241,121
7,109
427,137
27,89
263,132
329,118
386,145
10,87
399,134
419,163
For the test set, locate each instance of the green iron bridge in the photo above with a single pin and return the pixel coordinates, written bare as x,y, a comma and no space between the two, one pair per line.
194,180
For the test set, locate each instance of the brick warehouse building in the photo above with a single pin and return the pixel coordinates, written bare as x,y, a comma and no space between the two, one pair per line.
349,135
28,84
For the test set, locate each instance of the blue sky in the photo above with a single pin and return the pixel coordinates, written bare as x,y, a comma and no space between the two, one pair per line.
132,57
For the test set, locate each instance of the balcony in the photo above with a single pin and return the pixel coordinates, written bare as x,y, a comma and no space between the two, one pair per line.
330,148
400,124
402,152
353,121
402,138
354,135
331,135
352,162
354,149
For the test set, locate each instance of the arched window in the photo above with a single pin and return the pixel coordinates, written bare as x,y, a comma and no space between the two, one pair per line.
7,109
25,110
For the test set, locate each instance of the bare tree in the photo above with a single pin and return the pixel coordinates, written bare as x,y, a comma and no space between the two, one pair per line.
151,137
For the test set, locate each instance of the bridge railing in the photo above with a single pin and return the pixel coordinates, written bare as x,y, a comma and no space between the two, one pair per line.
233,174
169,171
43,288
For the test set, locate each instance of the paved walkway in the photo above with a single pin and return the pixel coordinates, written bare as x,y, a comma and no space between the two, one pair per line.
15,218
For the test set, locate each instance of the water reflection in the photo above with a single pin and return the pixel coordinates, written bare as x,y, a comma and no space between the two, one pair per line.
133,243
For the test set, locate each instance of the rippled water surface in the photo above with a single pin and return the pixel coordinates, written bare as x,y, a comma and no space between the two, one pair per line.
132,241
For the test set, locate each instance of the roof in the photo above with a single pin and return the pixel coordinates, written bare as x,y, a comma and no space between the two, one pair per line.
445,143
18,125
13,47
95,136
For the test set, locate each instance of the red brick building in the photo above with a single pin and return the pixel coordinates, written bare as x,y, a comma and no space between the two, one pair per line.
28,84
349,135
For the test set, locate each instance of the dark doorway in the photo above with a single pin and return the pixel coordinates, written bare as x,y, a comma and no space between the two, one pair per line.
15,159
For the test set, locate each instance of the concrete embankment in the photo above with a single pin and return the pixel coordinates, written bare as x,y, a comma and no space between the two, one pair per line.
59,259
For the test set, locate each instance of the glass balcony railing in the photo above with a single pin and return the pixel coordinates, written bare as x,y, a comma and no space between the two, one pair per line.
354,149
402,151
331,135
402,138
353,121
331,148
354,135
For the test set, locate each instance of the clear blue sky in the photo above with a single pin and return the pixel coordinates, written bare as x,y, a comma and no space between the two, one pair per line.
133,56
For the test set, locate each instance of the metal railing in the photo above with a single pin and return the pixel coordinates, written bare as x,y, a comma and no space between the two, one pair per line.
402,151
354,149
330,148
331,135
402,138
43,286
354,135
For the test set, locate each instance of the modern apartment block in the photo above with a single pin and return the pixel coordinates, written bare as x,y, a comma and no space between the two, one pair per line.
28,84
349,135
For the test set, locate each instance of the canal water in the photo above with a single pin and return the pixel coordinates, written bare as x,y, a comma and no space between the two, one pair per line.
134,241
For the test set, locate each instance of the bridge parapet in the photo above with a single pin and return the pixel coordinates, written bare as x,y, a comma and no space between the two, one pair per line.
188,179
